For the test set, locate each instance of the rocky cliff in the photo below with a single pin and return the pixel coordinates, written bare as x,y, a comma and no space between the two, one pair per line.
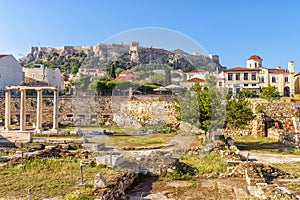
102,55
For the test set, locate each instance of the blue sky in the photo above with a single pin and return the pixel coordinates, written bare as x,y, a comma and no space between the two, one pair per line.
232,29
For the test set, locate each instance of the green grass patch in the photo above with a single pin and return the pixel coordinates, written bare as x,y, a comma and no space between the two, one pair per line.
292,151
290,167
252,139
134,141
175,175
57,137
264,145
206,164
68,128
294,186
48,178
294,169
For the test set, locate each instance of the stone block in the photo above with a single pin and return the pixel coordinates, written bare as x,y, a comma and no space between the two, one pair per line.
94,146
16,136
110,160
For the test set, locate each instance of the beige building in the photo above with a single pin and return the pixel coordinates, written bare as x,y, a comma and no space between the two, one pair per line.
254,77
241,78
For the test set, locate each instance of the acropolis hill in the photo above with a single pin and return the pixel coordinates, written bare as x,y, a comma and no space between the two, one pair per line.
104,53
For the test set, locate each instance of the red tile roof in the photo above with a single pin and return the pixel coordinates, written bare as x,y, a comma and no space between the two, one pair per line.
277,71
195,80
241,69
127,75
254,57
1,56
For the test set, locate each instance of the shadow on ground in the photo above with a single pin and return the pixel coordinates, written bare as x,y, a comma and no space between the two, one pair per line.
275,147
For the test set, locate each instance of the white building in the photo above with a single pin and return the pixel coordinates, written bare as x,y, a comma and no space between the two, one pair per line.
44,75
10,72
198,73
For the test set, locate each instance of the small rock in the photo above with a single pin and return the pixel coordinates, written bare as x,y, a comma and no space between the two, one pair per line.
99,181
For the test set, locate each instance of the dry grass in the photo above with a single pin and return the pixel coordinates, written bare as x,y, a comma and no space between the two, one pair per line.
47,178
292,168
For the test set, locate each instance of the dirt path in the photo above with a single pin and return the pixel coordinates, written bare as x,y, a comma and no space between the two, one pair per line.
271,158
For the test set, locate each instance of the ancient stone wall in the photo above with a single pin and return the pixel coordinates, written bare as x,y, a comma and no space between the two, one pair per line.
276,116
82,110
148,110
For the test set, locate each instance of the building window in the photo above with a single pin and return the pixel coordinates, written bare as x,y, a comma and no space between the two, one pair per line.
253,85
273,79
237,76
253,76
238,90
230,76
220,84
230,91
255,65
32,75
286,79
245,76
262,79
246,85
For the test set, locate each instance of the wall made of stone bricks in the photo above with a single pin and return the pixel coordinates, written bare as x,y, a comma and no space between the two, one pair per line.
100,109
276,116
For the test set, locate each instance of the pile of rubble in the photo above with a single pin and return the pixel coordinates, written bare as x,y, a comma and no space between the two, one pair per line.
290,139
114,187
43,152
260,181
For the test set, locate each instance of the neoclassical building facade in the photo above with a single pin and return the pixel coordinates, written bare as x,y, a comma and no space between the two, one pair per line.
254,77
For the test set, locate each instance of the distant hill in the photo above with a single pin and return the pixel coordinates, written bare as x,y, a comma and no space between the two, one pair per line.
71,58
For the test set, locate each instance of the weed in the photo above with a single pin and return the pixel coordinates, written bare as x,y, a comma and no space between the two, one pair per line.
206,164
175,175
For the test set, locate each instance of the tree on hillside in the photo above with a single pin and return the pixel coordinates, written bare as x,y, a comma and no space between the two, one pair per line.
238,112
157,78
269,93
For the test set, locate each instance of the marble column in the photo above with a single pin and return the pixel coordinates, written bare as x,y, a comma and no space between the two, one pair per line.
23,110
39,108
7,109
55,112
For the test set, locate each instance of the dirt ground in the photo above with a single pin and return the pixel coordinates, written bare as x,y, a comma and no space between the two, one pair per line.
196,188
